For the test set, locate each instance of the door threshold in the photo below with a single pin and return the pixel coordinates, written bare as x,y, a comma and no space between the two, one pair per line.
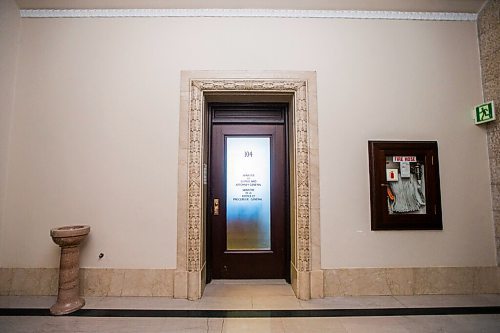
249,281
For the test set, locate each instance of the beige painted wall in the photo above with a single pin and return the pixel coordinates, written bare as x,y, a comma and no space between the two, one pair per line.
9,41
95,131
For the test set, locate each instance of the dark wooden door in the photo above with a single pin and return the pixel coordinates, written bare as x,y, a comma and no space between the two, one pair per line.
249,201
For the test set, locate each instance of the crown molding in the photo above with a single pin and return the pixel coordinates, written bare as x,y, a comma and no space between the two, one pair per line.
278,13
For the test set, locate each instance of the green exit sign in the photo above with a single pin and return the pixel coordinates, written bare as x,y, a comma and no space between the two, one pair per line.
484,113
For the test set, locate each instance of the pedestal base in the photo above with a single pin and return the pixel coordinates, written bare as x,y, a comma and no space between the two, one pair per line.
59,309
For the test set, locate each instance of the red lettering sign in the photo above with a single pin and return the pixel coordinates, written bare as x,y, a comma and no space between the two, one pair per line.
404,158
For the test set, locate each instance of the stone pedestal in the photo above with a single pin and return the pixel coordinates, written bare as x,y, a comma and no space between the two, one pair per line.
69,239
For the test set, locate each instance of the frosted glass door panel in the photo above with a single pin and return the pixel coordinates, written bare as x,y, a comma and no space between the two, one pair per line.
248,167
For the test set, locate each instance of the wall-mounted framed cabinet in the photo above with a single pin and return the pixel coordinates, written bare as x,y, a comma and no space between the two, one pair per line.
404,185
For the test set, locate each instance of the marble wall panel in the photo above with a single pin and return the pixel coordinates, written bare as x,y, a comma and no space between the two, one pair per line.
337,282
401,281
147,283
117,277
494,135
495,196
5,281
444,280
317,284
495,170
486,280
486,20
497,243
93,282
34,281
411,281
490,66
488,41
163,282
356,281
488,27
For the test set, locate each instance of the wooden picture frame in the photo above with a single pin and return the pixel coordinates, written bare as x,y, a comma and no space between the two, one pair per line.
404,185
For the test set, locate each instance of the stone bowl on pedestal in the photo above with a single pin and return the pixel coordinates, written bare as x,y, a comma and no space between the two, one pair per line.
69,239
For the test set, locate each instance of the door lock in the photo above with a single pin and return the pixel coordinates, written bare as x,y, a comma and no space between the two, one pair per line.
216,206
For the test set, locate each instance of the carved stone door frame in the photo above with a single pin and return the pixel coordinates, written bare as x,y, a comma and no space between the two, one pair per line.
306,273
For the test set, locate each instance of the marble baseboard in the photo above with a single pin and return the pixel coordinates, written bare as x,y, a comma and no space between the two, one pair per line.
28,281
93,282
127,282
337,282
411,281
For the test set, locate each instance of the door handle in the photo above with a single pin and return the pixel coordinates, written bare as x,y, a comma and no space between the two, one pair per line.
216,206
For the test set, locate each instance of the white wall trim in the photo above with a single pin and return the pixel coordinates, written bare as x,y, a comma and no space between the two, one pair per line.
282,13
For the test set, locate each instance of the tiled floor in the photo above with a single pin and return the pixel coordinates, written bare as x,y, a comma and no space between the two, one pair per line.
249,295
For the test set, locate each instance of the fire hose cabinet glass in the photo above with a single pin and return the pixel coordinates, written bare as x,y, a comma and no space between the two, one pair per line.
404,185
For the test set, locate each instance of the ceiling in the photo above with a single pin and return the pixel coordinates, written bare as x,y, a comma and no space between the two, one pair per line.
458,6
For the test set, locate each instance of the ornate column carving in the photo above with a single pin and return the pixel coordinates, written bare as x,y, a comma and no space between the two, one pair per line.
302,179
194,180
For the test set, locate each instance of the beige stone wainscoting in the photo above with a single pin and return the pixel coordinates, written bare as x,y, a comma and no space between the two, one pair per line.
28,281
93,282
411,281
337,282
